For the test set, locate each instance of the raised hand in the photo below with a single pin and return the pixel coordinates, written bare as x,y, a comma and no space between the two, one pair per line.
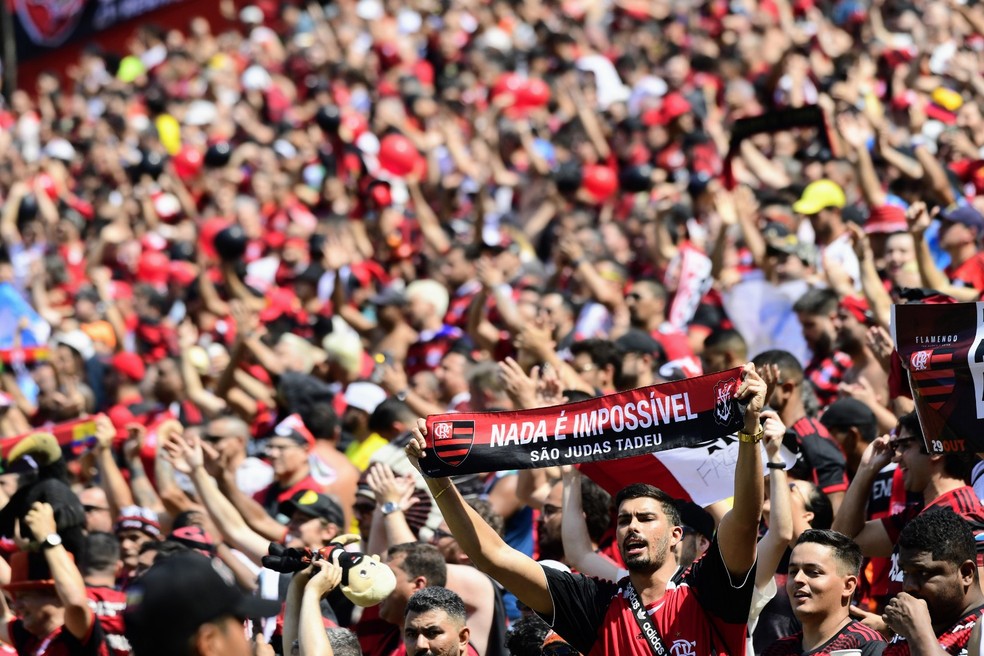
415,447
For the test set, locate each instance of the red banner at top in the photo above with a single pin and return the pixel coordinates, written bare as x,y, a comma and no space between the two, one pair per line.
668,416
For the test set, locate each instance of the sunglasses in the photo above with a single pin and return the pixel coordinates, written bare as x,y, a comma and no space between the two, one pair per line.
89,509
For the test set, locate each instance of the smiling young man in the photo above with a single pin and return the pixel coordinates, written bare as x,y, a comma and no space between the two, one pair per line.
823,576
940,478
641,614
435,624
941,604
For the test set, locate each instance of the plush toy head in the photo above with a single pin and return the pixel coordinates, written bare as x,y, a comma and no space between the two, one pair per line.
365,580
43,447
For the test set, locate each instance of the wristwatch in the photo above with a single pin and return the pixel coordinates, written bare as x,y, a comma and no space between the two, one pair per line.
402,395
53,540
389,507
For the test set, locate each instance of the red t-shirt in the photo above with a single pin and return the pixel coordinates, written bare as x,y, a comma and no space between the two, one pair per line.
953,640
58,642
970,273
854,635
108,605
705,614
963,501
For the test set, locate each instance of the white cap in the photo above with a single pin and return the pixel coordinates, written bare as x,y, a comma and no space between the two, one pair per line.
256,78
59,149
364,396
76,340
200,112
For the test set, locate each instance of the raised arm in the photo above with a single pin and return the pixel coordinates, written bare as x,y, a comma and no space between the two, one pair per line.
738,532
519,573
117,491
68,580
312,637
185,455
773,544
574,533
871,536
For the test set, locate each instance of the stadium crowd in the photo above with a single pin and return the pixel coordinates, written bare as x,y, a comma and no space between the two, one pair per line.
237,265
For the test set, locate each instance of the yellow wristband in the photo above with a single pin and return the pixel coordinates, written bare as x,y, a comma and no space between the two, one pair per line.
436,496
751,438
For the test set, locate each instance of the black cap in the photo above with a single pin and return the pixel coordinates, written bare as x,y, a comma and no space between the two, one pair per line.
389,296
695,517
845,413
639,341
313,504
167,605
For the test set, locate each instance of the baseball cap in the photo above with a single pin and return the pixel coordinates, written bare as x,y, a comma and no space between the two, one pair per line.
76,340
885,219
167,605
194,537
964,214
389,296
313,504
364,396
820,195
639,341
29,571
844,413
779,238
859,308
129,365
139,518
293,427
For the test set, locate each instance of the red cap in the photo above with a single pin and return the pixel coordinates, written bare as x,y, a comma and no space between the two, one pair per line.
206,234
294,428
153,268
885,219
858,307
182,273
129,365
280,301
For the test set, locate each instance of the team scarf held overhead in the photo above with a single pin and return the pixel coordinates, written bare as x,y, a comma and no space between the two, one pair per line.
673,415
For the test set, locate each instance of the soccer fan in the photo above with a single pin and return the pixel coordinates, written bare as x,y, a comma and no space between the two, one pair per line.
823,577
435,624
940,607
707,614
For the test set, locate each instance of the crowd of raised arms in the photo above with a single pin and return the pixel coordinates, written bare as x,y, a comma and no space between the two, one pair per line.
241,262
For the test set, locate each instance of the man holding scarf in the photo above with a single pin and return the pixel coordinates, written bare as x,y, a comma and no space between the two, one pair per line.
705,614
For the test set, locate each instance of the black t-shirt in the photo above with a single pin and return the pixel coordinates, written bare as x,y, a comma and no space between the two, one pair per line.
706,614
60,642
820,458
854,635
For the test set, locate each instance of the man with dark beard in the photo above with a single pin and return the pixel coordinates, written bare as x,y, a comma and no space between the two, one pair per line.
707,614
816,310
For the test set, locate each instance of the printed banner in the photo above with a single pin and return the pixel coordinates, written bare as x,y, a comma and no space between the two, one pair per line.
41,26
942,348
669,416
75,437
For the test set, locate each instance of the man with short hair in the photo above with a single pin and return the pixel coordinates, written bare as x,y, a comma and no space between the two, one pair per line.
823,576
941,478
435,624
183,606
647,304
99,567
724,348
98,516
820,459
816,310
229,435
598,363
706,615
940,606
